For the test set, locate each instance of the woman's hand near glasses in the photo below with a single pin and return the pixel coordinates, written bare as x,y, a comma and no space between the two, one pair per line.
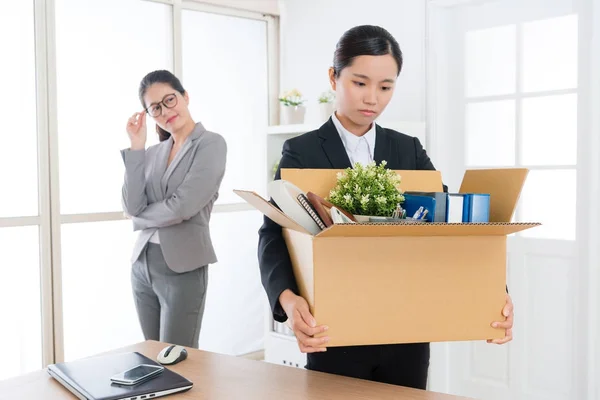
136,129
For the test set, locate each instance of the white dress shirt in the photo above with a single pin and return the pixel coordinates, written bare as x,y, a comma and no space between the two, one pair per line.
359,148
154,238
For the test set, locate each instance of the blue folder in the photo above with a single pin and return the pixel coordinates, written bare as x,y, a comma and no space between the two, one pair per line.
476,208
441,207
413,202
472,207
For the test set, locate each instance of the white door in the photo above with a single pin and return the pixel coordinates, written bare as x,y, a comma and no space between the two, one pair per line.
506,81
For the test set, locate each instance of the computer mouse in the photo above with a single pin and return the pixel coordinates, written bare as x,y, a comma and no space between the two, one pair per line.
172,355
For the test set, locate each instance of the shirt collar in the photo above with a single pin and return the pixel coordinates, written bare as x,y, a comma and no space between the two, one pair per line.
350,140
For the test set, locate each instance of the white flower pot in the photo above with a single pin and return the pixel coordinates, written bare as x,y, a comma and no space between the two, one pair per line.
326,109
371,218
362,218
375,218
292,115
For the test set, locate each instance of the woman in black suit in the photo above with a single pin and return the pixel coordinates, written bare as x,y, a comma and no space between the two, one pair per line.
367,62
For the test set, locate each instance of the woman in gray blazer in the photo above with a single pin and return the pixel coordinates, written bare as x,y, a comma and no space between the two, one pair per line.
168,193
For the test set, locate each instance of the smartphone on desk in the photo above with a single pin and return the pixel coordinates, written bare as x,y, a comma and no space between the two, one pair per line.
138,374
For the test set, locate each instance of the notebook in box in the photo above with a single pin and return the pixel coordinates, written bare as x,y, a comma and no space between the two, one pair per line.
304,202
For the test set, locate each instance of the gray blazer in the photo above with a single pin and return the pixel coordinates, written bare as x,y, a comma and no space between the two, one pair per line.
177,200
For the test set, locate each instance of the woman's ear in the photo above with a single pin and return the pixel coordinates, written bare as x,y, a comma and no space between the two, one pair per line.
186,98
332,80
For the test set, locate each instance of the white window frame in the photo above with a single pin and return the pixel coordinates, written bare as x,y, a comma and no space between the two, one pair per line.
49,218
588,165
518,98
439,111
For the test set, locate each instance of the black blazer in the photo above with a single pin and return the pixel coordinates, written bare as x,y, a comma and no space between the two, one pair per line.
324,149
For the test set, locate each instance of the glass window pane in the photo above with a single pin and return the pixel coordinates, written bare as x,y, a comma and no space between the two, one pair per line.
99,313
550,54
556,212
490,134
550,130
231,81
235,292
490,61
18,151
99,70
21,332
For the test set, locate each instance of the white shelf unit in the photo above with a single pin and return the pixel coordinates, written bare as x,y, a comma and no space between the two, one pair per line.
291,129
280,343
276,136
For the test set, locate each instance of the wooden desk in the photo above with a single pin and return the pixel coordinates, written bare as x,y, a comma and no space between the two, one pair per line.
217,376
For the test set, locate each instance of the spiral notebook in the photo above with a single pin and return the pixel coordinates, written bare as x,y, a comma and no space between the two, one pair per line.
303,200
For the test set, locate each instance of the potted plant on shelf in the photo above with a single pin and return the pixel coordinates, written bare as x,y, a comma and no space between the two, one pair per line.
326,104
367,191
292,110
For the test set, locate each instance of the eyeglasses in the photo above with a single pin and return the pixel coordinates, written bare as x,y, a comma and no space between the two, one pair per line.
169,101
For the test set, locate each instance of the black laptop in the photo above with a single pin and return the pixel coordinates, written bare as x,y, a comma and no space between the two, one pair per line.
89,378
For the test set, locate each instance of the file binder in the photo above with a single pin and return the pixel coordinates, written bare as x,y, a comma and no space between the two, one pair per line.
438,211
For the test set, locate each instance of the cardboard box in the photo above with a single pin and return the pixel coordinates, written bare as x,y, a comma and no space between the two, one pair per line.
404,283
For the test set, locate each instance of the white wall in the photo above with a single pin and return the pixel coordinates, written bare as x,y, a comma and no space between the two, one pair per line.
310,30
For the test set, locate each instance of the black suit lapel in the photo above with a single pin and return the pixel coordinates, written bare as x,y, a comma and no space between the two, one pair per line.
383,147
333,146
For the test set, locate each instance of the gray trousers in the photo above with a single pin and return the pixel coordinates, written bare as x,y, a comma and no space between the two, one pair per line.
170,305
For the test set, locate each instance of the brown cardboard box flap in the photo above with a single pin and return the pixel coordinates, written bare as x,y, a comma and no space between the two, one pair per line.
426,229
321,181
503,185
269,210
